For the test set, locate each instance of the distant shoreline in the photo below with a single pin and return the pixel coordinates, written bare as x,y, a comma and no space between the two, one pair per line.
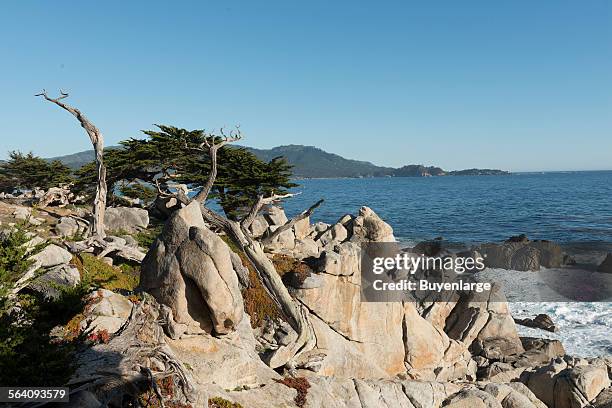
517,173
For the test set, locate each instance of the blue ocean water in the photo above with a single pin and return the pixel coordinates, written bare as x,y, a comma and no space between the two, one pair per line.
566,207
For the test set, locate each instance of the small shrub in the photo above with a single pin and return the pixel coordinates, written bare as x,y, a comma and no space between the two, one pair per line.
166,386
301,385
146,238
285,264
13,261
95,272
29,356
257,302
219,402
100,336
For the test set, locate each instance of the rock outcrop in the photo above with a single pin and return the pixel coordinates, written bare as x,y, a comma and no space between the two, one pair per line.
606,264
189,269
464,352
126,219
567,383
521,254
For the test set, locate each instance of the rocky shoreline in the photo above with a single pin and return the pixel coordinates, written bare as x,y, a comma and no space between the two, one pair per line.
195,319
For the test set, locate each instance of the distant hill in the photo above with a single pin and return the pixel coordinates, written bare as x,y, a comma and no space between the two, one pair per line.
312,162
76,160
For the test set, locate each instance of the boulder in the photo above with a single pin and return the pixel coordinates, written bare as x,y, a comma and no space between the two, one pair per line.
551,254
189,268
105,311
606,265
518,253
525,259
428,248
230,362
344,260
51,255
430,354
335,234
538,352
541,321
351,333
259,226
472,398
69,227
563,385
305,248
50,283
275,215
512,396
284,241
484,324
604,399
22,213
369,227
302,228
126,219
163,207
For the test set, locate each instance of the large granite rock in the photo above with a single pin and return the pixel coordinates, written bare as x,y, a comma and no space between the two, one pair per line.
567,383
70,227
484,324
189,269
50,283
126,219
105,311
368,226
51,255
430,354
521,254
275,215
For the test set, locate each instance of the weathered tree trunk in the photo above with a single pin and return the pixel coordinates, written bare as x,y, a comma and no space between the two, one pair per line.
274,286
97,140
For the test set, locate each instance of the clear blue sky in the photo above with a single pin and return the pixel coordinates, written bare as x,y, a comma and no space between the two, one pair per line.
518,85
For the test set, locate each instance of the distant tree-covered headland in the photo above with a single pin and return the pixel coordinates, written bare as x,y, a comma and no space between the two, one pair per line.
312,162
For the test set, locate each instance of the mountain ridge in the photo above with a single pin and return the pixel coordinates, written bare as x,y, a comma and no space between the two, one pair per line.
314,162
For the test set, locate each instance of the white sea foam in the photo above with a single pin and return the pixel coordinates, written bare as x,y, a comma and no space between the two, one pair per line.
585,328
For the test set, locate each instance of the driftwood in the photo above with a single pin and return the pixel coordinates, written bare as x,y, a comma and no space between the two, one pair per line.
60,195
97,140
133,362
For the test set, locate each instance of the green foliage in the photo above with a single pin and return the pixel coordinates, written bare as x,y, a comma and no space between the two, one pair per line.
13,261
98,274
133,169
29,171
146,237
29,355
218,402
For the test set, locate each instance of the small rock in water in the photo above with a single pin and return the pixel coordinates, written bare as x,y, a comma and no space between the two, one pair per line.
541,321
606,265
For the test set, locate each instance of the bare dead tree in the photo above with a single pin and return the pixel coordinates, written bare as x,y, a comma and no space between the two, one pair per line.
97,140
239,233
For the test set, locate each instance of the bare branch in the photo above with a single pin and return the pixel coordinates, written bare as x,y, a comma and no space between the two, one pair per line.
213,147
261,201
268,239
